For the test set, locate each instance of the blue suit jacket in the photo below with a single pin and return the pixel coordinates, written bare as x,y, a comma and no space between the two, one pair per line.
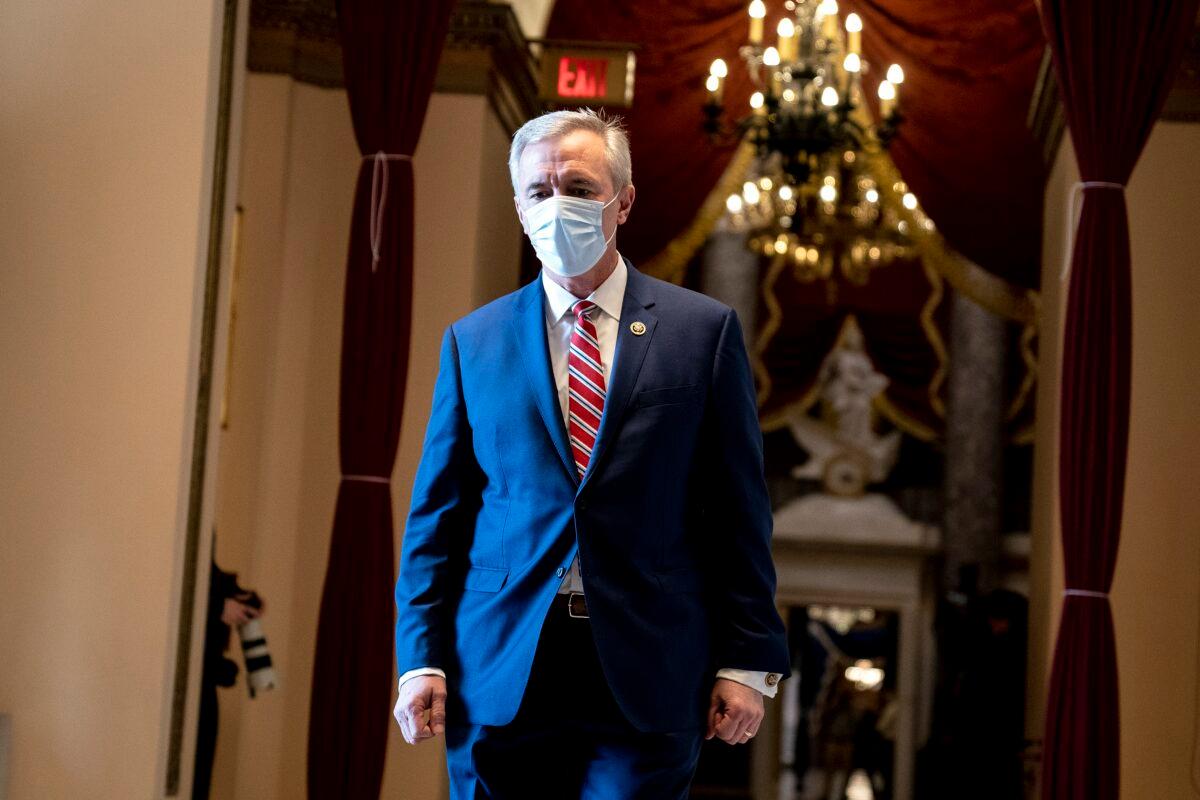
672,520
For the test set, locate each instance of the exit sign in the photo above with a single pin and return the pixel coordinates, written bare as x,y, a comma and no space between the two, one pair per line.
587,76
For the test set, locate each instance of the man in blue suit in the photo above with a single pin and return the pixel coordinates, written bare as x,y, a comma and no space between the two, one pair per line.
586,589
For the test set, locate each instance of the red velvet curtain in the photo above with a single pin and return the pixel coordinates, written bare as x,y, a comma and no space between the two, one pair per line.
390,53
1115,63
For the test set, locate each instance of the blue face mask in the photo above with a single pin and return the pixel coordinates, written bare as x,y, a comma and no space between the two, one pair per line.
567,233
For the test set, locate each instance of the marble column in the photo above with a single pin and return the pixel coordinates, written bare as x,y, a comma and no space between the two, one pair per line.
729,273
974,445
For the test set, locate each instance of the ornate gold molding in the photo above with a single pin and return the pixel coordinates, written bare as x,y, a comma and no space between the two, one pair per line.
934,337
769,328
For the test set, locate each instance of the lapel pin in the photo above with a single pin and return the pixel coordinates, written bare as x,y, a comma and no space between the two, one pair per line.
638,328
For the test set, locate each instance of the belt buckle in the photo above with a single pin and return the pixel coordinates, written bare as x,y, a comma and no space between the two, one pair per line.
575,601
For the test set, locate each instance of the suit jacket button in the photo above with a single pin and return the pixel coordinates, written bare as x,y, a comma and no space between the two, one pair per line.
560,572
772,679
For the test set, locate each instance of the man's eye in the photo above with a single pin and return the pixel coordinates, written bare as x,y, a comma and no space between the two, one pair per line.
581,192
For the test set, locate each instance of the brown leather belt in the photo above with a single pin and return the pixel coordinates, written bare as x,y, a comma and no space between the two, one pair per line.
574,604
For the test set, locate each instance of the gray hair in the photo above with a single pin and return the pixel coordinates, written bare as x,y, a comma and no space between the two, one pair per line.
557,124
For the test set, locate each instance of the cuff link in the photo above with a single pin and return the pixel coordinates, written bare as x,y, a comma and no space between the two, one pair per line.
772,678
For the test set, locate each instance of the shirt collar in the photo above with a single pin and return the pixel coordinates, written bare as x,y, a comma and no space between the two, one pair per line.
608,295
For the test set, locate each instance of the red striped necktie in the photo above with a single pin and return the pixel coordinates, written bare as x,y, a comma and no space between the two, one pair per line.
586,389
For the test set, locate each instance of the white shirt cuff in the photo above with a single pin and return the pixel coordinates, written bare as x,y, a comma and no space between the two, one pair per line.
765,682
414,673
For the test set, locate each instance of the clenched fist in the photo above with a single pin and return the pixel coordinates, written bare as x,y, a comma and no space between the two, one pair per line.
735,713
421,708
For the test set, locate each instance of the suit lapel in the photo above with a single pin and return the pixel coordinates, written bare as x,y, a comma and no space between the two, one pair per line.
529,322
629,354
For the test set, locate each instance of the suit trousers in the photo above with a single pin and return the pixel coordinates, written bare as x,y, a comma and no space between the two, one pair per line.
569,738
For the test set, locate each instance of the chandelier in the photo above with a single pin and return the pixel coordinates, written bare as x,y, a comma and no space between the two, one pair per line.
814,193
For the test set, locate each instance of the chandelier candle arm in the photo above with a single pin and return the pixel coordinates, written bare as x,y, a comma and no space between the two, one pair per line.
788,44
854,33
758,10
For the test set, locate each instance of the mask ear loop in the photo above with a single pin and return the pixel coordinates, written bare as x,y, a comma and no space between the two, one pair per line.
614,233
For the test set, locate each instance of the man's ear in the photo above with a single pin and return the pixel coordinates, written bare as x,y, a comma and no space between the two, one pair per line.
625,203
520,214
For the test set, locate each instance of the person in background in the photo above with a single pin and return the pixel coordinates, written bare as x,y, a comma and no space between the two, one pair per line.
229,605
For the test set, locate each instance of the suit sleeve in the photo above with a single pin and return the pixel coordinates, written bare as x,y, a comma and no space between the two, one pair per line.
737,520
445,500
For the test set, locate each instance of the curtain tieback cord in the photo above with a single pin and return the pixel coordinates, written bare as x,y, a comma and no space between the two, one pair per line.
1076,192
379,184
367,478
1084,593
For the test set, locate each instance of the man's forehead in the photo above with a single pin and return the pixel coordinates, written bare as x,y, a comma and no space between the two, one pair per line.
582,155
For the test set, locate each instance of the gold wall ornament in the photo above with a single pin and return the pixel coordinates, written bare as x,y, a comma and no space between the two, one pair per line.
1029,359
934,337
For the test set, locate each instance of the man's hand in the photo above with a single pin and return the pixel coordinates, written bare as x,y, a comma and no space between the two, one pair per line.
424,693
735,711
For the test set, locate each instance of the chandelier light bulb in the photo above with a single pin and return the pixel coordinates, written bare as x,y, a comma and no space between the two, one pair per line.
827,193
852,63
895,74
789,96
785,193
887,90
718,69
758,9
909,200
750,193
786,27
781,245
828,8
872,196
853,22
771,57
756,100
829,97
712,83
734,203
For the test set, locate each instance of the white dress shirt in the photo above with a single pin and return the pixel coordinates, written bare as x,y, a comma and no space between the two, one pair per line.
609,296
